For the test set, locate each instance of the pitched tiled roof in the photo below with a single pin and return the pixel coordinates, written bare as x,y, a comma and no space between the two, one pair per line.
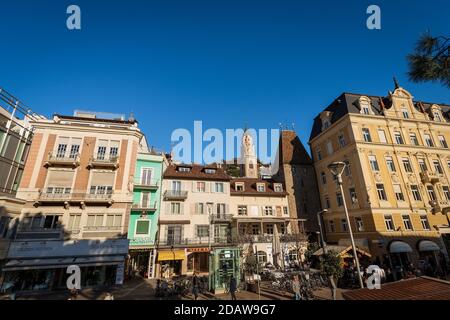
250,188
292,150
422,288
197,173
346,103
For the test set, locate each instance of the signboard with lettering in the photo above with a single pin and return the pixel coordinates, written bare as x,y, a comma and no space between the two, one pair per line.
197,249
47,249
120,273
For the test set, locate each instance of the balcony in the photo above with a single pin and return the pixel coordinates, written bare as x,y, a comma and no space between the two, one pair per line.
73,197
102,231
268,238
146,184
58,159
440,205
145,207
175,195
221,218
101,160
39,233
200,241
428,176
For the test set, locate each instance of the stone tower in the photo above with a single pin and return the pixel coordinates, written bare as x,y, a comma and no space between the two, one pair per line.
249,161
296,171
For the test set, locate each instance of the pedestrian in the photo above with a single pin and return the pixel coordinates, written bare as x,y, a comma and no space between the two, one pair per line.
233,288
109,296
296,287
195,286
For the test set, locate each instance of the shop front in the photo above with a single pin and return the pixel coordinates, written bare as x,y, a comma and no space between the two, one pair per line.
429,258
224,263
399,256
35,265
198,260
141,263
170,263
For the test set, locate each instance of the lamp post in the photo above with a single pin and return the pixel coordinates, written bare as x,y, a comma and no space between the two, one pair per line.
319,221
325,251
337,168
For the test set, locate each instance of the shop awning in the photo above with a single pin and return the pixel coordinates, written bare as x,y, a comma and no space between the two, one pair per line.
399,247
26,264
427,245
171,255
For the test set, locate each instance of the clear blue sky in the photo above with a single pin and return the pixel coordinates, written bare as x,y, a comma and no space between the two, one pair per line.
221,61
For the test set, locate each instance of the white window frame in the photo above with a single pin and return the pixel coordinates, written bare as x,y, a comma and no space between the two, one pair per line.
137,235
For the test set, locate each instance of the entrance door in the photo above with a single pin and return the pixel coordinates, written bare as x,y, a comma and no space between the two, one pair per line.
226,269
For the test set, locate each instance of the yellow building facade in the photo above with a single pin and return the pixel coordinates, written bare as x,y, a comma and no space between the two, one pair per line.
397,178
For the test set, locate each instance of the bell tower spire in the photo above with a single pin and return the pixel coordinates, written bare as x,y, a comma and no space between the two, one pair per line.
249,163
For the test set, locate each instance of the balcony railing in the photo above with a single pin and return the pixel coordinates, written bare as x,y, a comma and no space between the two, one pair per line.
428,176
175,195
104,160
145,207
439,205
220,217
196,241
55,158
102,228
146,184
74,197
268,238
24,233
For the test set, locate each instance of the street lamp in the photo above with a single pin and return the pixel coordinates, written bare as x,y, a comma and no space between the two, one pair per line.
319,221
325,251
336,169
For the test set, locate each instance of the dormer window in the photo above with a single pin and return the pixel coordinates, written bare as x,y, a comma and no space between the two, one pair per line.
184,169
437,116
405,113
365,105
278,187
239,187
365,109
325,117
210,171
261,187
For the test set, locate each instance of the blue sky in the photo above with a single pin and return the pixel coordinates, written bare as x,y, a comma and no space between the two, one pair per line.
222,62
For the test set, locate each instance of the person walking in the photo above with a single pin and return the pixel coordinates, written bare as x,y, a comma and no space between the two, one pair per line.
109,296
233,288
195,286
296,287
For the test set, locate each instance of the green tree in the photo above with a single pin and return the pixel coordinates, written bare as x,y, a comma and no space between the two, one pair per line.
309,253
430,60
331,264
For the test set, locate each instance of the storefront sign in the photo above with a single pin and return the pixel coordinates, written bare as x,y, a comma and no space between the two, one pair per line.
47,249
141,241
198,250
120,273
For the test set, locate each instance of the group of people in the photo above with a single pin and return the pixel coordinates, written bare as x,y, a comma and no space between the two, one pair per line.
232,287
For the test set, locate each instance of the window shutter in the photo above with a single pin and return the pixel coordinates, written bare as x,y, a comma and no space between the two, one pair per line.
194,186
181,208
167,208
227,208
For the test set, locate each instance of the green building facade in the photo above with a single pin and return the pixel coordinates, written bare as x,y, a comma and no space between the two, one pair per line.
143,222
